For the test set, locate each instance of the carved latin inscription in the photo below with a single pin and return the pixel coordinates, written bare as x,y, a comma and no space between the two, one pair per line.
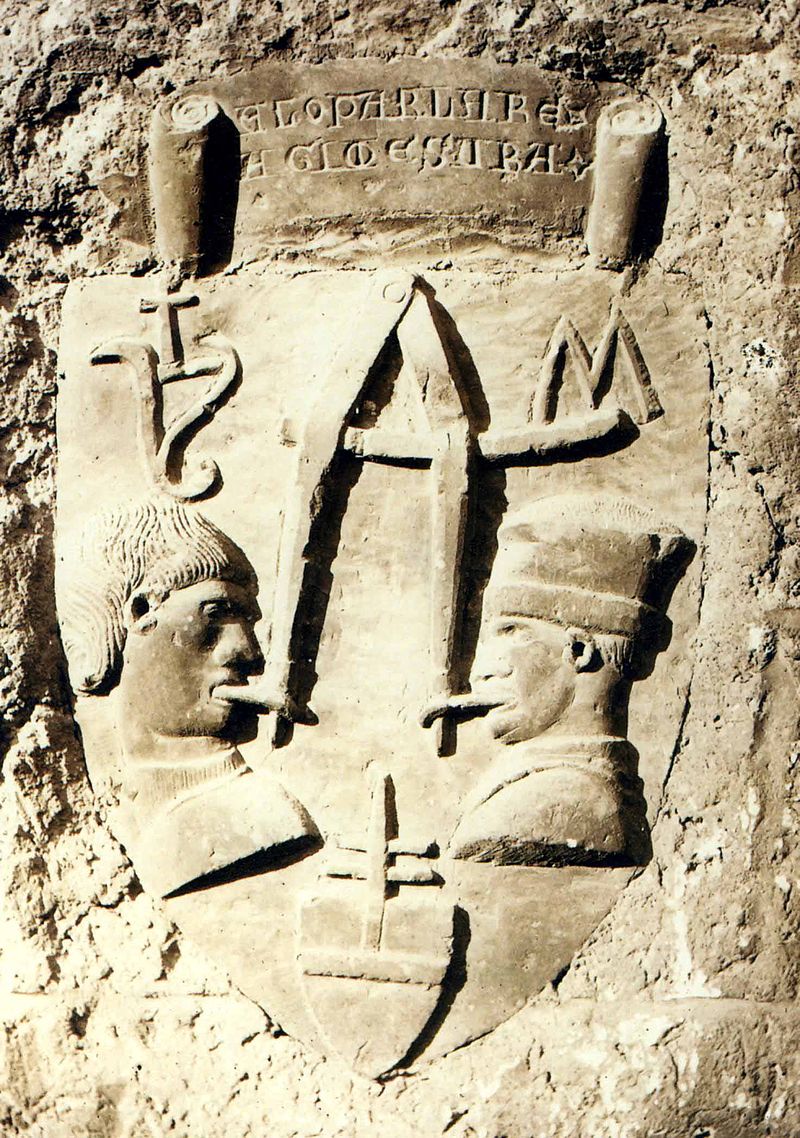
423,128
543,161
414,139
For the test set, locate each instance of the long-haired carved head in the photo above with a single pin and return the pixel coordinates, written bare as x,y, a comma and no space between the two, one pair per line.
150,549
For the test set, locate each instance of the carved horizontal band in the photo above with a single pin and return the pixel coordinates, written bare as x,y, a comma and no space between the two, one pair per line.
388,967
379,444
562,604
163,784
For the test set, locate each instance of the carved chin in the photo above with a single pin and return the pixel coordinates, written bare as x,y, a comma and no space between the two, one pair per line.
516,722
231,721
508,724
218,720
209,718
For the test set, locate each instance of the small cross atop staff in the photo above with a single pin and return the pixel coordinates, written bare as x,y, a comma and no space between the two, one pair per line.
166,307
161,444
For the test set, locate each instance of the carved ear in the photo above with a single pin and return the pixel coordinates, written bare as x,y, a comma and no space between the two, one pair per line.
140,614
579,650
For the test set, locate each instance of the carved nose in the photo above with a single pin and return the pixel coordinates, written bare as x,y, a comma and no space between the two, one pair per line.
239,647
253,658
489,671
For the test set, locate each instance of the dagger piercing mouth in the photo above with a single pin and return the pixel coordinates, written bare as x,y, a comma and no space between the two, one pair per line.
238,690
265,698
467,705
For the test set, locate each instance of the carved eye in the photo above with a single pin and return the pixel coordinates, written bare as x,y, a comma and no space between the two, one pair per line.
509,627
505,628
217,610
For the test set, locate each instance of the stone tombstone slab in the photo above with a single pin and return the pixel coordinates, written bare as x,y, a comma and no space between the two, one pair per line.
378,587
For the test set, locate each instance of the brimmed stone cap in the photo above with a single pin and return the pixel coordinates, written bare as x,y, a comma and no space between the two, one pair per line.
597,563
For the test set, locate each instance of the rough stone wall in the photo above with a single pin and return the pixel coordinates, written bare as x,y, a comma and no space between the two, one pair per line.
680,1016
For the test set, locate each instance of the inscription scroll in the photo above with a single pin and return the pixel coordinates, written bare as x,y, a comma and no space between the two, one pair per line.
414,139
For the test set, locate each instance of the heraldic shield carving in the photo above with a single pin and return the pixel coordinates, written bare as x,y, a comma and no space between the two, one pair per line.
377,575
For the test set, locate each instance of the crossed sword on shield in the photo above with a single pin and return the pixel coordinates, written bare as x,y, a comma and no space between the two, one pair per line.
399,304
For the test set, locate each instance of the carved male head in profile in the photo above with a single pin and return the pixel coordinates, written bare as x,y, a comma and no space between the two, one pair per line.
159,604
157,610
576,612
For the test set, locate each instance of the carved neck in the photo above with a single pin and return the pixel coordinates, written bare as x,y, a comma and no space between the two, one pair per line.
141,746
158,771
599,707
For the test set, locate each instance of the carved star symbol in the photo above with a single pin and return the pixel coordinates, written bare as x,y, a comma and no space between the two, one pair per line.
577,164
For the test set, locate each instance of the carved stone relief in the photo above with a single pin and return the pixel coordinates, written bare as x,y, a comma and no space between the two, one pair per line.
444,152
377,586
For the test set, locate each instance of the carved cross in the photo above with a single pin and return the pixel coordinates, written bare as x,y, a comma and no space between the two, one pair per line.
166,307
381,864
161,444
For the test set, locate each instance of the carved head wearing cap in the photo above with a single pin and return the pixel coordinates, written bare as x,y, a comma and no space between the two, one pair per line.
580,584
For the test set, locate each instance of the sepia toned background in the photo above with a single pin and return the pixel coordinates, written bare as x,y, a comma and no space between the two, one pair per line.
680,1016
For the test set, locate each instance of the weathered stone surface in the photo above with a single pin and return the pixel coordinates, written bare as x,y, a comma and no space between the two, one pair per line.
676,1017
